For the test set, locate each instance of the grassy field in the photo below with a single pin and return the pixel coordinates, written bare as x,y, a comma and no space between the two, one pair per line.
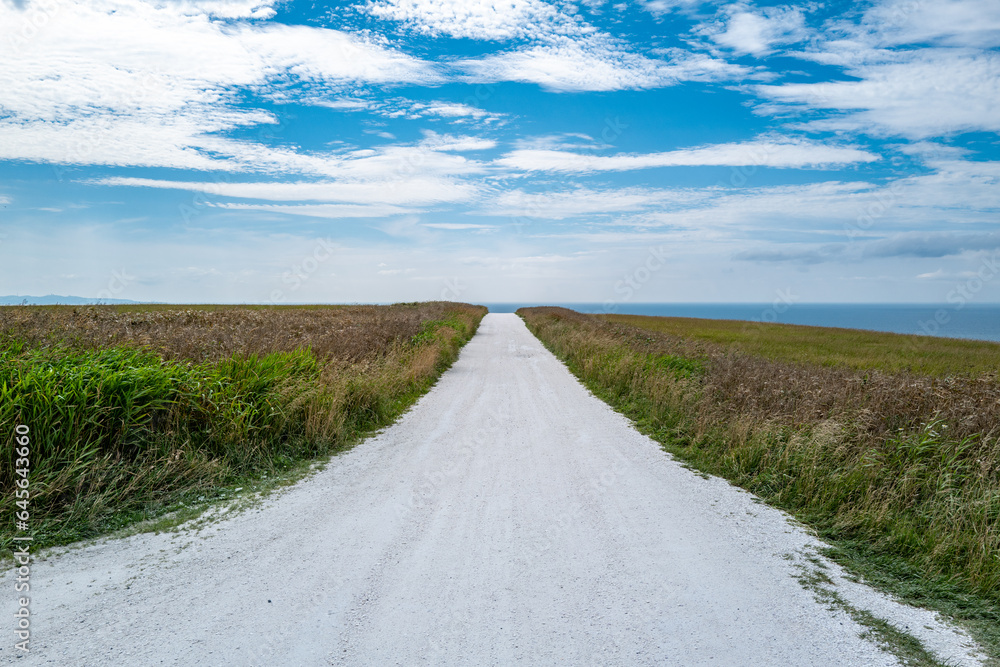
851,348
136,410
899,470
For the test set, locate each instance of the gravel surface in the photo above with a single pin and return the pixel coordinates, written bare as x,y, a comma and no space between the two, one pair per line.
509,518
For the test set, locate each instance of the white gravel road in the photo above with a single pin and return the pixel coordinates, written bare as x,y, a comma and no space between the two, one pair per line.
510,518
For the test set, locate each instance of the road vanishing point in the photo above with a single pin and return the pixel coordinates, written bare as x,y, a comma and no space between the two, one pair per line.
509,518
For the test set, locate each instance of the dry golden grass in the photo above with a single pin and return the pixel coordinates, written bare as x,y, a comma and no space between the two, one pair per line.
210,333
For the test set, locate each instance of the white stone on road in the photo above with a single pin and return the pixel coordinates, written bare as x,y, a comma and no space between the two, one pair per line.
509,518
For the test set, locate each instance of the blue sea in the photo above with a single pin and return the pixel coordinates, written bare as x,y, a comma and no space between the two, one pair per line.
975,321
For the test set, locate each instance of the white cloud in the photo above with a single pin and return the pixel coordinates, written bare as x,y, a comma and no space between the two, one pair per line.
923,69
160,141
954,184
941,274
969,23
454,112
916,94
227,9
329,56
559,205
457,226
564,52
479,19
130,82
757,32
956,194
770,153
414,191
566,141
341,103
941,201
457,144
660,7
321,210
934,275
597,63
177,143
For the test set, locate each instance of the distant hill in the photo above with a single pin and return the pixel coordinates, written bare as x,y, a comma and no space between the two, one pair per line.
55,299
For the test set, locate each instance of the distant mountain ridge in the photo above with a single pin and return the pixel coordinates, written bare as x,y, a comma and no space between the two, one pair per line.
55,299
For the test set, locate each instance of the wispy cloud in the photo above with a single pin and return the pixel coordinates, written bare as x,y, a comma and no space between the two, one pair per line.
435,155
919,70
964,23
918,94
598,63
767,153
479,19
125,82
457,226
329,211
559,205
413,191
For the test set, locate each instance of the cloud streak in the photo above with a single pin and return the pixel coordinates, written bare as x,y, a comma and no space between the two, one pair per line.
765,153
415,191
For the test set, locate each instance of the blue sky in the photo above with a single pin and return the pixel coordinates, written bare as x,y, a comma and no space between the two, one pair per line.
525,150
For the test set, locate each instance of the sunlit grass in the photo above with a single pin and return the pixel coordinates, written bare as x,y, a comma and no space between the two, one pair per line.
851,348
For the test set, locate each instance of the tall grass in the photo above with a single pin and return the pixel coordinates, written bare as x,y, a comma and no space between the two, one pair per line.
902,467
122,432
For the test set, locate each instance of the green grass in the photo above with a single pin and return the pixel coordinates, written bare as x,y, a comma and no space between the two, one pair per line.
119,435
850,348
910,650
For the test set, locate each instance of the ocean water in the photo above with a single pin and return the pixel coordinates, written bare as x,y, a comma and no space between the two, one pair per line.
975,321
